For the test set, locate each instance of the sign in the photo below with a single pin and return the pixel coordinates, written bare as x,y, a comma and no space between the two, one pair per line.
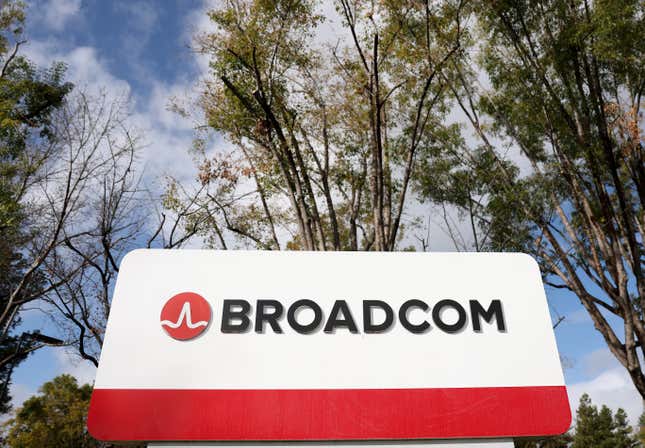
285,346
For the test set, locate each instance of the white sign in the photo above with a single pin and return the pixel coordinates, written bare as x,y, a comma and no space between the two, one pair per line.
210,345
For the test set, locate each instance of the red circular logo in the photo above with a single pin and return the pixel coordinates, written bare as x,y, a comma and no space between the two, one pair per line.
185,316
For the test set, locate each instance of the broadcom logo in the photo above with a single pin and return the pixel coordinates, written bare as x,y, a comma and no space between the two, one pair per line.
185,316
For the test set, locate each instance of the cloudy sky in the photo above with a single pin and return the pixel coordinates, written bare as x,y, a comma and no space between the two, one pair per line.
142,49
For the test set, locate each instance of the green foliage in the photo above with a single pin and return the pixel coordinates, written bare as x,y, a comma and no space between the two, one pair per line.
552,91
28,97
324,140
641,429
623,437
594,428
560,72
600,428
55,418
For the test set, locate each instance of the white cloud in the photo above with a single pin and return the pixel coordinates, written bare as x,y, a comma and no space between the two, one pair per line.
599,361
196,24
141,14
85,68
158,105
56,14
19,394
70,363
580,316
610,385
166,135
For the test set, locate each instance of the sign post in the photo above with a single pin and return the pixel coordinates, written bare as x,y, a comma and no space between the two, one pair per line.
277,347
487,443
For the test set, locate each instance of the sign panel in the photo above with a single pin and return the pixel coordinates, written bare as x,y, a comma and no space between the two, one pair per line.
252,346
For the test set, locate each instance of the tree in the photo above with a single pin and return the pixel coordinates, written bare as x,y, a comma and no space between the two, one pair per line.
28,97
65,188
641,429
566,83
323,140
600,428
94,213
87,210
54,418
623,437
71,203
593,429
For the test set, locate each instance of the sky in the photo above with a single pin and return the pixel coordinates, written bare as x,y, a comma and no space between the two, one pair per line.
142,49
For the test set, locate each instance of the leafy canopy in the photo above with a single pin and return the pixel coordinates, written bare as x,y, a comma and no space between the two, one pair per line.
28,96
55,418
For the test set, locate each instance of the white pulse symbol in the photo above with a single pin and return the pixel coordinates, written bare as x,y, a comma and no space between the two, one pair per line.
184,315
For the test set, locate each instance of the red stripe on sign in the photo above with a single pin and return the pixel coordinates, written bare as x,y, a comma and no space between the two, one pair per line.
338,414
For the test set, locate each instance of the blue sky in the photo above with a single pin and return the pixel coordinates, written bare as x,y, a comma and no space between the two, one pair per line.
141,49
